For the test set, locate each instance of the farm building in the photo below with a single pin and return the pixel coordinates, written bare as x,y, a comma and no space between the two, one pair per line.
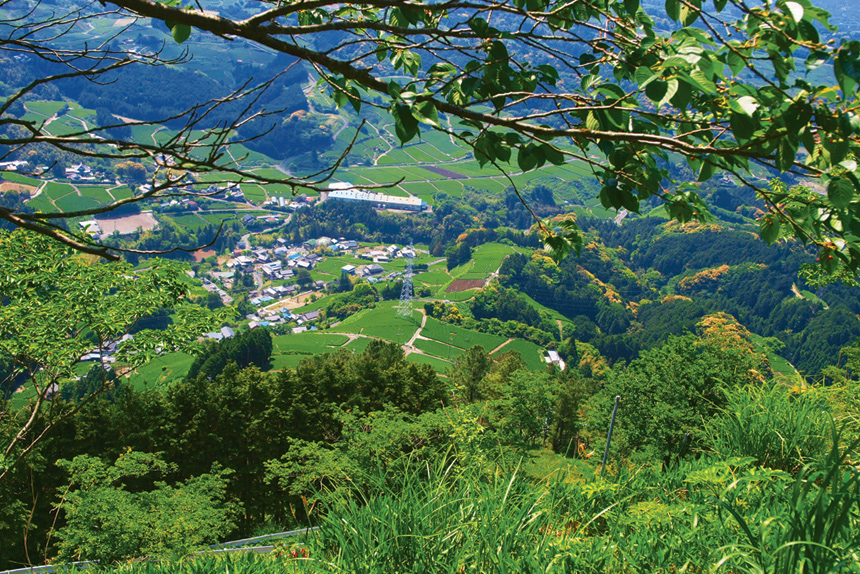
378,200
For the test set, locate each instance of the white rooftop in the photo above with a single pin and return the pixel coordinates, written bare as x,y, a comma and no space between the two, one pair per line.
354,194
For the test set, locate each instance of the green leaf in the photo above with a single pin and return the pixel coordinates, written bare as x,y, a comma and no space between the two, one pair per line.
735,62
682,96
699,77
526,159
840,192
671,90
795,10
673,9
644,75
688,14
808,32
769,228
355,99
707,171
405,124
838,150
180,32
479,26
743,127
808,139
394,89
425,112
631,5
816,59
786,154
849,164
552,155
796,118
846,68
656,91
556,247
746,105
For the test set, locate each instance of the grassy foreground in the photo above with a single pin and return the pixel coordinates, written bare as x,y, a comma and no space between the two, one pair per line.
461,514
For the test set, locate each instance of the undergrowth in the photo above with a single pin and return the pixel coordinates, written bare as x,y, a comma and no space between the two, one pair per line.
706,515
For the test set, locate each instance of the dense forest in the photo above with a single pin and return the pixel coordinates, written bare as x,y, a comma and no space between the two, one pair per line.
243,452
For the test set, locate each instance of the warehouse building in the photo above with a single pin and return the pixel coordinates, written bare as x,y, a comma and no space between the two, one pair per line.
377,200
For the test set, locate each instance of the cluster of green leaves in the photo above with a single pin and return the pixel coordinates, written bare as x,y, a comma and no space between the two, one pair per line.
698,92
668,393
363,296
710,514
59,306
460,500
731,87
110,517
248,348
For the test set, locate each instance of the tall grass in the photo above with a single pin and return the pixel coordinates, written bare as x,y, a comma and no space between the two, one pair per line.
769,423
281,561
433,519
436,518
442,514
817,530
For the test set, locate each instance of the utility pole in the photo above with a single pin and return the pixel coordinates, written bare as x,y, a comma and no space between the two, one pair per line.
609,435
404,309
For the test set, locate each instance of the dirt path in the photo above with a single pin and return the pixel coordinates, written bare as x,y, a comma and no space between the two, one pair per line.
796,291
109,189
500,346
152,135
308,90
39,191
387,142
407,348
417,332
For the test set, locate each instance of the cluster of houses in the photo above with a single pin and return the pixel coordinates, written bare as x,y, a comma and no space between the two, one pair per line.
18,165
283,261
179,205
283,316
81,172
105,354
231,192
224,333
293,204
386,254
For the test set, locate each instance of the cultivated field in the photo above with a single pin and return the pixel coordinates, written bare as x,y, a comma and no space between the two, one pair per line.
289,350
464,285
128,224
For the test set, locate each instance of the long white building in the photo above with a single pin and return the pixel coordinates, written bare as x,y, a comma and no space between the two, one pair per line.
378,200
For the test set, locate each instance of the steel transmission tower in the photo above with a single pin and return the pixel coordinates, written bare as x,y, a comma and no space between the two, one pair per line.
404,309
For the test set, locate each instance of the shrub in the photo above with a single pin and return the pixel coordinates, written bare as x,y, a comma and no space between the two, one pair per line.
769,423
